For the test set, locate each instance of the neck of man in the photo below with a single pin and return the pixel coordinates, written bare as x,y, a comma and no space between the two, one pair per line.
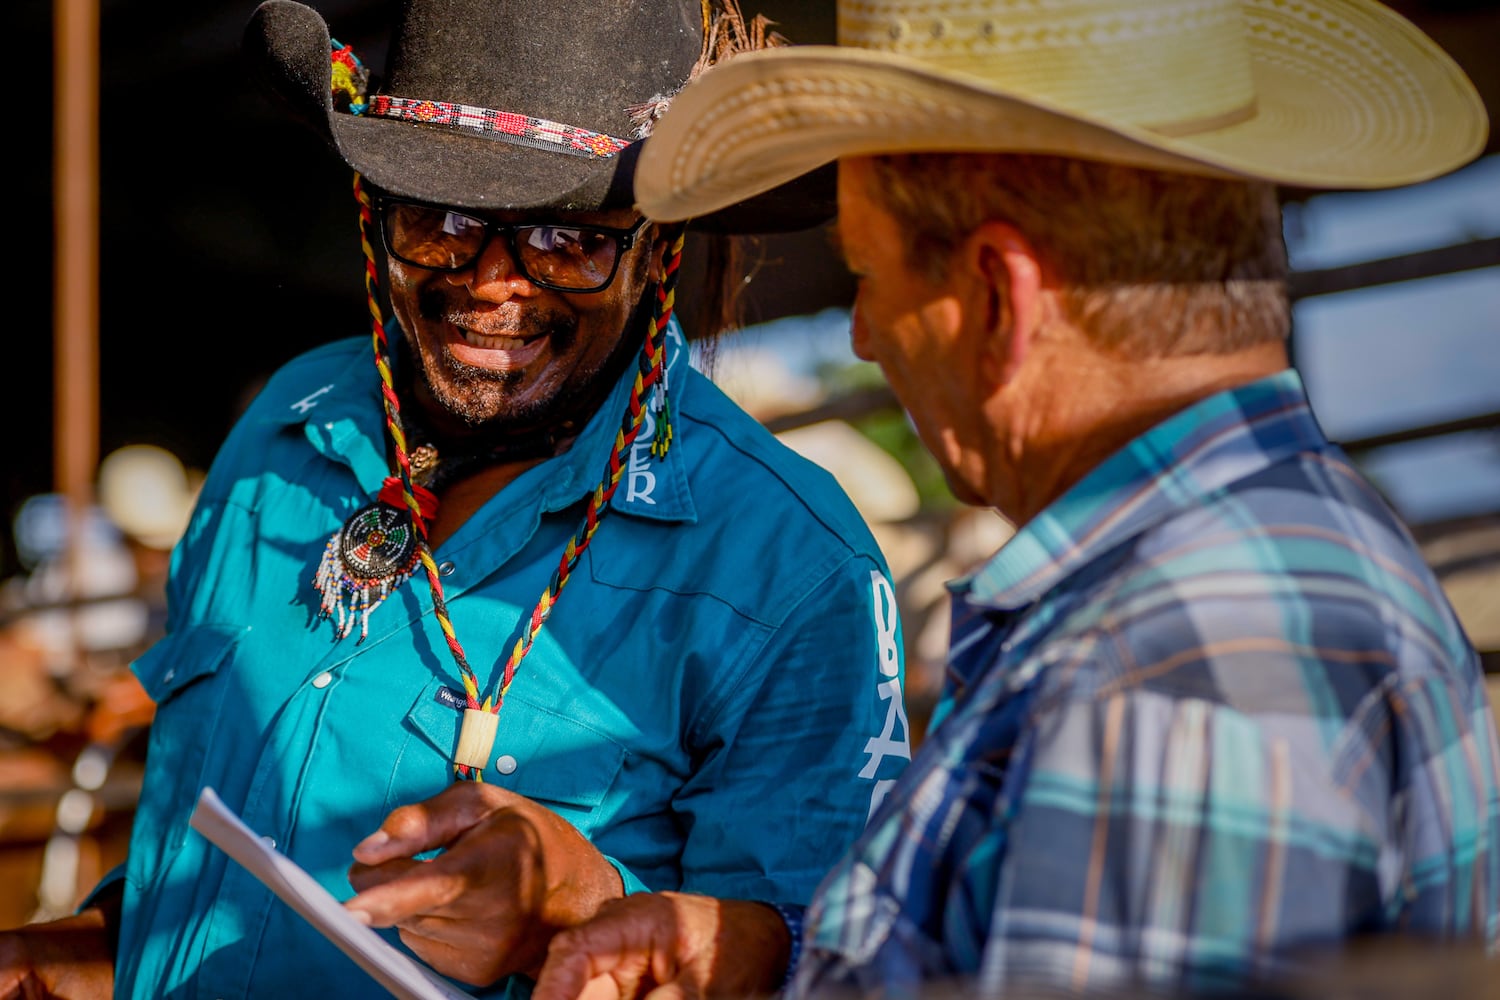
1081,406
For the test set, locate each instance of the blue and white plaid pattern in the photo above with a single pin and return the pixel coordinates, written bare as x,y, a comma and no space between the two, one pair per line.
1208,712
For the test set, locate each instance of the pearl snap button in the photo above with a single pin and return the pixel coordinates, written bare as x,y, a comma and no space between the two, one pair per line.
323,680
506,764
270,842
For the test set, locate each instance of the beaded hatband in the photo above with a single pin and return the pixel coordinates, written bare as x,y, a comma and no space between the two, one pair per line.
503,125
350,78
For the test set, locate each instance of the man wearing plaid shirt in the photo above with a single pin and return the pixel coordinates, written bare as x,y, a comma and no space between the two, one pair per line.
1206,713
1208,716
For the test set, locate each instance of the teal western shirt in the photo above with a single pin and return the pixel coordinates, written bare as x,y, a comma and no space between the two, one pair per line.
715,700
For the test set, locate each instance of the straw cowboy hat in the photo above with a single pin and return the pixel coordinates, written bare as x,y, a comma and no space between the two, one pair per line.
489,104
1312,93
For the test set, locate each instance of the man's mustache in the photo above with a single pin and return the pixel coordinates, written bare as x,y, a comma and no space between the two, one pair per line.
509,320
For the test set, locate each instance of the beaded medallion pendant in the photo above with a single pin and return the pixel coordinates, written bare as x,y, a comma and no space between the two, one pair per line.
375,551
365,560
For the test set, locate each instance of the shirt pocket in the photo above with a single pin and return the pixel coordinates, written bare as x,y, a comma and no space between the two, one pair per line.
555,760
178,672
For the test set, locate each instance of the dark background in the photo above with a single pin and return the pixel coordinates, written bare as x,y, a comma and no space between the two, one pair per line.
228,236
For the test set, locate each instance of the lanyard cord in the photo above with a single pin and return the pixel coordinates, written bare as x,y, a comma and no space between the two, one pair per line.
478,731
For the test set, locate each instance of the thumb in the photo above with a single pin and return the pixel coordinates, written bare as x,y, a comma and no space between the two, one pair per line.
431,823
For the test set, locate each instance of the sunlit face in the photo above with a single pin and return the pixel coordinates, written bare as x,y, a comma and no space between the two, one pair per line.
499,351
911,326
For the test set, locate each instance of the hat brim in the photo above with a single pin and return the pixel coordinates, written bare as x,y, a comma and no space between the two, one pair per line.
1393,109
286,48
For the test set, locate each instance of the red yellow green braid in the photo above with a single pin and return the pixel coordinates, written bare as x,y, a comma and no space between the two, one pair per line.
398,441
650,374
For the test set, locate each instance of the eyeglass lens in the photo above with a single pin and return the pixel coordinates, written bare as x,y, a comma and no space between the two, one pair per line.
567,256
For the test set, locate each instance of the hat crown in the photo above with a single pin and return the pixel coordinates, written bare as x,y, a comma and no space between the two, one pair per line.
544,59
1173,66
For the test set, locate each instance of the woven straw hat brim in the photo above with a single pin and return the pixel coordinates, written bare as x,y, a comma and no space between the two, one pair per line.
1364,101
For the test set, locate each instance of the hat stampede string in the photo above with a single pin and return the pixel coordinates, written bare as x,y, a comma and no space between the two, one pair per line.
381,545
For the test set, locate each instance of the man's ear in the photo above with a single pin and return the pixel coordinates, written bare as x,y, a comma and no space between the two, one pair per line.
1009,276
659,245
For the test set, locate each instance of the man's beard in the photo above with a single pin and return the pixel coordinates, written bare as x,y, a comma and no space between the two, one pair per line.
485,400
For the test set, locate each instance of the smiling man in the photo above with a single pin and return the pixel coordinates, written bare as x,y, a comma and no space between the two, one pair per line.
528,599
531,335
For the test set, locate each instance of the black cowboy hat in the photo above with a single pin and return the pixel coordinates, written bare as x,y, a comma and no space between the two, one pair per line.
508,104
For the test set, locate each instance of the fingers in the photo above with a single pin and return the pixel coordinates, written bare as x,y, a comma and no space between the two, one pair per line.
608,988
492,872
574,972
630,944
669,946
70,957
510,874
400,890
364,877
433,823
454,951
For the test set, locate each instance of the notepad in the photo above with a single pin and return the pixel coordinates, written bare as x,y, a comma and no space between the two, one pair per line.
392,968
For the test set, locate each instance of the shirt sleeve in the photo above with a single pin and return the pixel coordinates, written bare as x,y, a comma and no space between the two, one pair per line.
114,877
803,747
1186,844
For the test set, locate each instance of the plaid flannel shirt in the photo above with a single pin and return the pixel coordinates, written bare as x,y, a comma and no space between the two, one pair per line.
1206,714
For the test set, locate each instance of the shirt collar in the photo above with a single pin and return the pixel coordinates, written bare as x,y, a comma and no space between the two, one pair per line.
1217,441
342,417
649,486
344,420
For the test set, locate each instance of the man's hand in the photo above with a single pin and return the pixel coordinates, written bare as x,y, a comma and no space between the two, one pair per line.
511,875
668,946
70,959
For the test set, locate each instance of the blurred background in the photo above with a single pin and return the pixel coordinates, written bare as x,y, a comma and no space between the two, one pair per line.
227,243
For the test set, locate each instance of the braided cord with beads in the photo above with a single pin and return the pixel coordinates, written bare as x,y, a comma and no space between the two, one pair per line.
651,368
666,295
349,81
649,371
398,442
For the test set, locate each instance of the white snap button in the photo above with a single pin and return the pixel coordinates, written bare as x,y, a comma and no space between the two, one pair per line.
270,842
169,675
506,764
323,680
447,568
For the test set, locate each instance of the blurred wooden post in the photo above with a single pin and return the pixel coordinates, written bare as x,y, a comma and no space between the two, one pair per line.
76,267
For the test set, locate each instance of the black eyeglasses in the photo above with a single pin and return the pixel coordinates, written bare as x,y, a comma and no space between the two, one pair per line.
564,258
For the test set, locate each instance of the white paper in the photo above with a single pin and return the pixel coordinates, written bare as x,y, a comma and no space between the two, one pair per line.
392,968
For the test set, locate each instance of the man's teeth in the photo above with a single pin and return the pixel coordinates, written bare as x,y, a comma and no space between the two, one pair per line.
490,342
